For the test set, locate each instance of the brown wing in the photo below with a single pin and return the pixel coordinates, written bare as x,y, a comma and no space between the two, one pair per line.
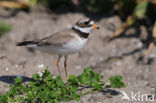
57,39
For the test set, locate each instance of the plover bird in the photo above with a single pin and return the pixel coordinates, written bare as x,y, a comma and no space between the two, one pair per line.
64,43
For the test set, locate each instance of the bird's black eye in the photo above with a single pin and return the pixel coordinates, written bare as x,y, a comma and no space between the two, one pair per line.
86,22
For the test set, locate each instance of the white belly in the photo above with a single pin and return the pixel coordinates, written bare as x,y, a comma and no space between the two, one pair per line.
73,46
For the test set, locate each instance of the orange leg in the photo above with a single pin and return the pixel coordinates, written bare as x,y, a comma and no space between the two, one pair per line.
65,66
58,65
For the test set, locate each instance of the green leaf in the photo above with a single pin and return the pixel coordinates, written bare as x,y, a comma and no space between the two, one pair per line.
84,79
36,77
4,28
89,77
141,9
73,89
3,98
46,73
30,95
20,99
96,85
59,81
18,81
44,96
117,82
33,2
87,70
75,96
72,80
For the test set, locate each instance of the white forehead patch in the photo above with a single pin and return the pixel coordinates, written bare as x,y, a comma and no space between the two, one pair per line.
84,30
91,23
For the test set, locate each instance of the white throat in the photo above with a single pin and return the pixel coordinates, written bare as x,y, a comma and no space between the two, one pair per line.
84,30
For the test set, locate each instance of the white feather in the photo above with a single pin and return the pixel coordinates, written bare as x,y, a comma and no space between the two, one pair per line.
32,45
84,30
91,23
71,47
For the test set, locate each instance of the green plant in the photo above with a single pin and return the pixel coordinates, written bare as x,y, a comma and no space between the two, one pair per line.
4,28
116,82
45,88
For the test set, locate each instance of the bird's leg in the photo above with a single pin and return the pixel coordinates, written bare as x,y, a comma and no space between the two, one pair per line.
65,66
58,65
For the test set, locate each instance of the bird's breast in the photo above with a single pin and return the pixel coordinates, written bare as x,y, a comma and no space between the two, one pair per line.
76,44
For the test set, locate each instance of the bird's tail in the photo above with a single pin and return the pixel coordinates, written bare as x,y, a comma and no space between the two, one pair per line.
25,43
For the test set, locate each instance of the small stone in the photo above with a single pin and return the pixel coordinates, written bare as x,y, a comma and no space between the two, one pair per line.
6,69
78,67
101,59
16,65
107,83
40,74
40,65
152,89
139,45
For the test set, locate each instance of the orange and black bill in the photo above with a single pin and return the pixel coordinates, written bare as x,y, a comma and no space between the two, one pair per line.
96,27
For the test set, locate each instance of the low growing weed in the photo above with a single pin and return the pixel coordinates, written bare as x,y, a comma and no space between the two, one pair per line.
45,88
4,28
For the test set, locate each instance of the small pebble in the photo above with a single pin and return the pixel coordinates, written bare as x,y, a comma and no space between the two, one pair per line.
16,65
40,74
40,65
78,67
6,69
101,59
139,45
107,83
153,89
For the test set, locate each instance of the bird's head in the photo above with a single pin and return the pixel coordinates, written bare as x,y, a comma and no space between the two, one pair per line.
85,25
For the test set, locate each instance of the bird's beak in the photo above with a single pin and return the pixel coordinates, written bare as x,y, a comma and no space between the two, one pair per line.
96,27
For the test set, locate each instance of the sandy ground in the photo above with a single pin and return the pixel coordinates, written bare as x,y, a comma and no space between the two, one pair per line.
139,76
